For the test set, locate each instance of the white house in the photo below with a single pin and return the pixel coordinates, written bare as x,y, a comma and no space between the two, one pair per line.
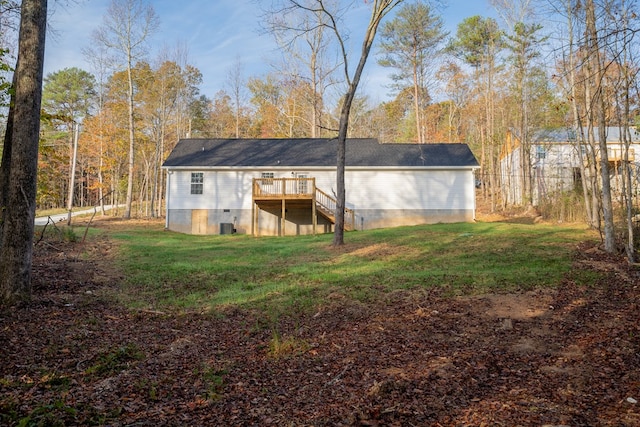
286,186
555,162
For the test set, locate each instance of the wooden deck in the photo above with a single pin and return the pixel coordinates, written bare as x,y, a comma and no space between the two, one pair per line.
617,155
295,193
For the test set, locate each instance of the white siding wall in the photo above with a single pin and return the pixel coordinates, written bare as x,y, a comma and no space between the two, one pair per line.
512,179
379,197
422,189
418,189
554,172
221,190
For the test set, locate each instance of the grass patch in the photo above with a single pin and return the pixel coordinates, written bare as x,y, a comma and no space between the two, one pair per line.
51,414
172,271
56,233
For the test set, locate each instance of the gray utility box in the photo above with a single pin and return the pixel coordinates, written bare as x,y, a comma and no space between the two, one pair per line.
227,228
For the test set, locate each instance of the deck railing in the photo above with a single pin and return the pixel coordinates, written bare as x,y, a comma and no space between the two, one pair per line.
614,154
617,154
283,187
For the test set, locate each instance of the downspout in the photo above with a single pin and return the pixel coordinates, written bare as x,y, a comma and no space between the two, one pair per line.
168,201
473,192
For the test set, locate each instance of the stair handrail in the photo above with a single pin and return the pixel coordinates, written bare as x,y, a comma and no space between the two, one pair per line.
329,204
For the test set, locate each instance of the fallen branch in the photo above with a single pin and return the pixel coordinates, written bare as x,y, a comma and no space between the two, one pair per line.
339,376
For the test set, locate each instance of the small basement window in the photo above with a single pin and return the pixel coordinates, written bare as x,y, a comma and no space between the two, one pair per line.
197,182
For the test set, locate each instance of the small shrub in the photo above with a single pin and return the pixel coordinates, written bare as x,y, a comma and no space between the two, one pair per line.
150,388
563,207
55,233
115,361
213,379
69,235
56,382
290,346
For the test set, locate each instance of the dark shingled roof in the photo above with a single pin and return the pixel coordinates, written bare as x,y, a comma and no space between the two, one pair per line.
314,152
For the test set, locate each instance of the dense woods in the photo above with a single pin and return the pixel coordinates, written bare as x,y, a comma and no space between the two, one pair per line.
106,129
472,85
490,76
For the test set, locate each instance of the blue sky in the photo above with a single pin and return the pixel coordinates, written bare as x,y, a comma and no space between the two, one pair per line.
217,33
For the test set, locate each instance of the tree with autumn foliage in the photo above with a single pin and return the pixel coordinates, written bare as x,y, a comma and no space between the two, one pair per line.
126,27
409,44
478,42
68,97
278,109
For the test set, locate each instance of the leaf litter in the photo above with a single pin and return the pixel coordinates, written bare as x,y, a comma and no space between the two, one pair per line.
547,357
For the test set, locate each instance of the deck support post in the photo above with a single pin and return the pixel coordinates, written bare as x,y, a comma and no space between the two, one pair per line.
268,193
314,217
283,218
254,217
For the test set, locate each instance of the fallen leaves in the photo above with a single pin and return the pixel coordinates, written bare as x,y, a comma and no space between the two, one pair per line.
569,356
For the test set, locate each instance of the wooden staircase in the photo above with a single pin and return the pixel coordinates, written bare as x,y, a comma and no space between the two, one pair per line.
296,192
326,206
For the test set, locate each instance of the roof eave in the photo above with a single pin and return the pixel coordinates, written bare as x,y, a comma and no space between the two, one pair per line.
318,168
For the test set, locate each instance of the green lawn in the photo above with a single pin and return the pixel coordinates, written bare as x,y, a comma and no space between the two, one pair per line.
171,271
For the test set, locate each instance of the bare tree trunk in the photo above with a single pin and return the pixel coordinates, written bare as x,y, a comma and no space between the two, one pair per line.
16,248
594,50
127,25
607,205
628,185
627,81
380,9
5,165
416,105
314,94
157,162
490,134
580,137
235,80
129,200
592,162
595,182
72,170
321,11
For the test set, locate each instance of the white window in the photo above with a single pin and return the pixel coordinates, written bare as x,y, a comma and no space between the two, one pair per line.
197,182
541,152
267,178
303,183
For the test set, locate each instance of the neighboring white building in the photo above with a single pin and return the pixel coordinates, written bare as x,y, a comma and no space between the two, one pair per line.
286,186
555,162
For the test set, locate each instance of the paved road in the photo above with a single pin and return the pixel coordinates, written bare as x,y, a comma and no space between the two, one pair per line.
63,216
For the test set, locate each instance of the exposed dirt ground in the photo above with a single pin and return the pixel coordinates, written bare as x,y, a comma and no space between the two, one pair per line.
568,356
